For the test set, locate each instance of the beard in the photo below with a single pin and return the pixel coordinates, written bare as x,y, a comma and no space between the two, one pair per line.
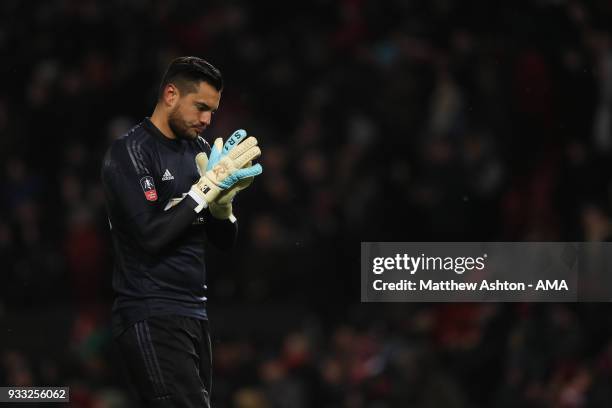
179,127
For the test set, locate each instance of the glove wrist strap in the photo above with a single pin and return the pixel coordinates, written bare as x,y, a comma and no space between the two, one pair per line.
202,204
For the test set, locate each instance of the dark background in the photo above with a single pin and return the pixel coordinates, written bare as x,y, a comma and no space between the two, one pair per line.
379,121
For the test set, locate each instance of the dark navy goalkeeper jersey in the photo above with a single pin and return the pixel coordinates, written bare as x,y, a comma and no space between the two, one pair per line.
158,238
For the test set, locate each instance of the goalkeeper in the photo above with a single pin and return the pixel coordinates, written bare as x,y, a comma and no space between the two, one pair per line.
165,189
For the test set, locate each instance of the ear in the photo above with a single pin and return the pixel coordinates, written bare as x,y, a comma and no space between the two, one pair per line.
171,95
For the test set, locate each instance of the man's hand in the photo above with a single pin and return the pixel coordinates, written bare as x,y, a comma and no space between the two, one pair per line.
221,208
228,171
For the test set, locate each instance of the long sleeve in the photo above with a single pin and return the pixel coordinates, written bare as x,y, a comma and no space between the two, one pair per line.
132,199
157,229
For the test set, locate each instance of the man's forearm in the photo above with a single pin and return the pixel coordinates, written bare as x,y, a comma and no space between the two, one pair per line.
156,230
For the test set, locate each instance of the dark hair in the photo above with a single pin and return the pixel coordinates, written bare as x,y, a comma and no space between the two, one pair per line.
187,72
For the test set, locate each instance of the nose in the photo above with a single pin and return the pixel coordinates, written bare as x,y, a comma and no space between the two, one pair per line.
205,118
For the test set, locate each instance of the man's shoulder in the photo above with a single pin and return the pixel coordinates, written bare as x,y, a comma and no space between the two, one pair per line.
131,148
136,135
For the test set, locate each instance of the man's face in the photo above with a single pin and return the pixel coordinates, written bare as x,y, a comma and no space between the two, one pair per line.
192,113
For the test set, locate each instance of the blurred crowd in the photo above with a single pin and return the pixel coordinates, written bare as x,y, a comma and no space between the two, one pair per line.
379,121
382,356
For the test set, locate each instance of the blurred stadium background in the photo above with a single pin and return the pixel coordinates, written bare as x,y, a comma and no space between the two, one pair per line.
379,121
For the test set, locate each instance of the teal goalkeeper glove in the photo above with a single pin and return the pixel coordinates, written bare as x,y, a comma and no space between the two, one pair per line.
221,208
229,165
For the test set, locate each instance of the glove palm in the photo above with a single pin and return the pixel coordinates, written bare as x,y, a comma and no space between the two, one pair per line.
217,168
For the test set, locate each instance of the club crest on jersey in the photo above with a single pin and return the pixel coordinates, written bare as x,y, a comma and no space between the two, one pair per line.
149,188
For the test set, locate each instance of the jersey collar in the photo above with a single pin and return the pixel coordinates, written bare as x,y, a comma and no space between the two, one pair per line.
174,144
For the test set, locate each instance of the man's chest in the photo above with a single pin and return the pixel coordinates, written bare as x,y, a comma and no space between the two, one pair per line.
175,173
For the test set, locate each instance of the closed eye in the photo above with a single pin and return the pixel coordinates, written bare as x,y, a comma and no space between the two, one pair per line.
202,107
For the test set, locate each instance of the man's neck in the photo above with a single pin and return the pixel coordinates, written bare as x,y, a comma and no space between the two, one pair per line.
161,122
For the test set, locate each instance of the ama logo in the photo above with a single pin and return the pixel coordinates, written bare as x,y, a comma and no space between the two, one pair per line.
149,188
552,285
